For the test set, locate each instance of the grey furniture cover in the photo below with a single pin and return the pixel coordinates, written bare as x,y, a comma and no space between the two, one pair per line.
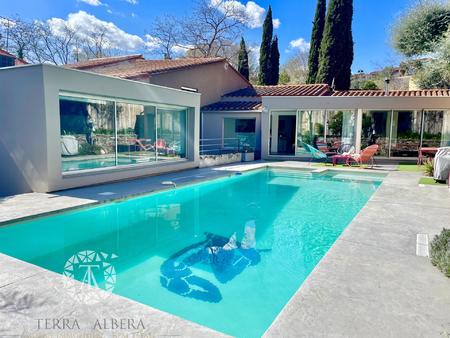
442,164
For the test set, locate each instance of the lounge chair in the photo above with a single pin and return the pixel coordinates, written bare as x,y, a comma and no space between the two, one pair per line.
365,157
142,146
162,147
316,154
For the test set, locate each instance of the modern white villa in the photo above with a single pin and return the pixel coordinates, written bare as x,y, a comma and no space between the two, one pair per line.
110,224
122,117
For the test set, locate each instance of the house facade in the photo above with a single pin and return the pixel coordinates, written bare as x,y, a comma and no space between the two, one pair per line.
111,119
287,117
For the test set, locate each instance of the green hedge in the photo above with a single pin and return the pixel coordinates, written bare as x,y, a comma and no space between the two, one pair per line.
440,252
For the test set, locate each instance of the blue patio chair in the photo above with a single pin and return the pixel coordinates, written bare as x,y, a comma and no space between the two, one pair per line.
316,154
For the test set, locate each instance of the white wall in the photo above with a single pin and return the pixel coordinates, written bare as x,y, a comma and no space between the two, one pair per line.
30,149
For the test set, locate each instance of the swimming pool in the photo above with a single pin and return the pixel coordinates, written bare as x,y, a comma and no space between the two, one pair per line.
228,253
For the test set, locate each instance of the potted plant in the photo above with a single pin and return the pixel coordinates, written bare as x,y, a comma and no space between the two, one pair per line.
248,154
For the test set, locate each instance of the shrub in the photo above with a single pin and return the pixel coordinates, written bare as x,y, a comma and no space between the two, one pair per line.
90,149
428,167
440,252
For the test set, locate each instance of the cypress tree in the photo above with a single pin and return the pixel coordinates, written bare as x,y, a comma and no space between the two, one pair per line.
274,62
243,67
316,39
336,49
265,50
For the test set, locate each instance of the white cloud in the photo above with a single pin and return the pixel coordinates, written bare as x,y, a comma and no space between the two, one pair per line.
7,22
254,12
300,44
92,2
133,2
87,25
276,23
254,52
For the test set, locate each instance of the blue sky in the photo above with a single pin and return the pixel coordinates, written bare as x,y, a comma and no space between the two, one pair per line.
372,19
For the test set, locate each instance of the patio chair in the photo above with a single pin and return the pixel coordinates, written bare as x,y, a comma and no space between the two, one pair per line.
365,157
316,154
344,152
162,147
142,146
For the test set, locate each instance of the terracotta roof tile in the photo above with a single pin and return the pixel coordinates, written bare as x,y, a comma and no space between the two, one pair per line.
17,61
5,53
283,90
394,93
233,106
92,63
139,66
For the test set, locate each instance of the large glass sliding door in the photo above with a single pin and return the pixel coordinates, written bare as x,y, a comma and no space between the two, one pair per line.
136,133
400,133
325,130
99,133
436,128
87,129
376,130
282,133
310,130
171,134
340,130
405,133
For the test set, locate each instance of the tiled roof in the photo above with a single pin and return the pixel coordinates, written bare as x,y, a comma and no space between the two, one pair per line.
17,61
283,90
394,93
92,63
233,106
5,53
139,66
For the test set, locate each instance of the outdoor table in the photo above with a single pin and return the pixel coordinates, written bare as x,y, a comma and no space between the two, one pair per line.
426,151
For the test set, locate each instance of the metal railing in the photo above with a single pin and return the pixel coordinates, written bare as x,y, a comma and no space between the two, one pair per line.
219,146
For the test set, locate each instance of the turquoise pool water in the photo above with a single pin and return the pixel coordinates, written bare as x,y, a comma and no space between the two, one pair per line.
228,254
94,163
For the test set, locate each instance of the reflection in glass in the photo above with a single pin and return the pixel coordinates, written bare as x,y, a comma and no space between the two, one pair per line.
340,131
241,130
311,131
375,130
171,134
436,129
136,133
87,133
144,134
405,138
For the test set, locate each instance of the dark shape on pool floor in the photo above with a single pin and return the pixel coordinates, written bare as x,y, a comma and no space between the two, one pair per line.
225,263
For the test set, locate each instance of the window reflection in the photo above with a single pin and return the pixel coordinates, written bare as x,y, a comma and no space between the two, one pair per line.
171,134
136,133
87,133
145,134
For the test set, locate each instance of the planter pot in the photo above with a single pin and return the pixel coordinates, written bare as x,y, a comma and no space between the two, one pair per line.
248,157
